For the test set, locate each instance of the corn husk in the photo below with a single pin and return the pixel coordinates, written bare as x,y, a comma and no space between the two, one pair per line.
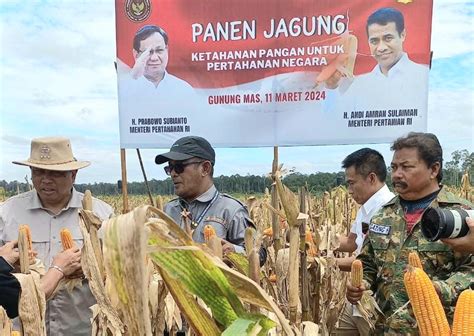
5,323
124,251
105,317
32,304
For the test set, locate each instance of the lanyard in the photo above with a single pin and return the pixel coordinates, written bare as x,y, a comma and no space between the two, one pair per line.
195,224
203,213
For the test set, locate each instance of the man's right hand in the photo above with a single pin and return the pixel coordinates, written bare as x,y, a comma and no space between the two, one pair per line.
138,69
69,261
10,252
354,294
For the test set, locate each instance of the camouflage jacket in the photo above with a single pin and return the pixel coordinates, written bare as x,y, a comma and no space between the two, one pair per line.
385,255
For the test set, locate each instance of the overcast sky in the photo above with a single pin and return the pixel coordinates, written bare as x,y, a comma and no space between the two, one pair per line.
57,78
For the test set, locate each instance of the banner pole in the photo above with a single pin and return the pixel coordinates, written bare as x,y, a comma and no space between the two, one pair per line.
275,204
123,164
152,202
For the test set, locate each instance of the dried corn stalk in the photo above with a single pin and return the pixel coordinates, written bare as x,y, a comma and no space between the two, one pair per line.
105,318
93,225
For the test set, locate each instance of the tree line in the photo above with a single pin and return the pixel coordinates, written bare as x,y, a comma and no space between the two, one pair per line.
461,161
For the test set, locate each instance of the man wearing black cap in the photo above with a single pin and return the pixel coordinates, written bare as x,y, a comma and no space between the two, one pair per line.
191,162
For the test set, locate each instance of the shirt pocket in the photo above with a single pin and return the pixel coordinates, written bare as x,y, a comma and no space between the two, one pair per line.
77,236
435,255
380,244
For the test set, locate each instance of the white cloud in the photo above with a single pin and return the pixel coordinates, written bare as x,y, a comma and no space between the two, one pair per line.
453,28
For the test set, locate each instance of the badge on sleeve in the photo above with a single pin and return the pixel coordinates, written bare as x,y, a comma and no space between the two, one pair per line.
380,229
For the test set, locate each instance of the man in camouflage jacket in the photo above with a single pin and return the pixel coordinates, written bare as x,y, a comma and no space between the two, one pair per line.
395,231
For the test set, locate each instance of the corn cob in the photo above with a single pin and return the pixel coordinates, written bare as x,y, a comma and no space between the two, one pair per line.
15,333
312,247
414,260
26,229
209,232
159,202
66,239
272,278
268,232
463,323
425,302
356,273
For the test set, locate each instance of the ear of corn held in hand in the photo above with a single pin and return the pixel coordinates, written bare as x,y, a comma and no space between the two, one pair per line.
356,273
24,247
425,302
27,231
66,239
209,232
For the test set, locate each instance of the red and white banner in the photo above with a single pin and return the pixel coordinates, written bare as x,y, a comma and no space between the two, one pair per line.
264,73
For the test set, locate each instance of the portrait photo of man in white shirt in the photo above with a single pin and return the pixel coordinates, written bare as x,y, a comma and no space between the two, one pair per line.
396,82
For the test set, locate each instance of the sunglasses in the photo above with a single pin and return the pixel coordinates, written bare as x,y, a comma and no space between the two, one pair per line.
179,167
37,172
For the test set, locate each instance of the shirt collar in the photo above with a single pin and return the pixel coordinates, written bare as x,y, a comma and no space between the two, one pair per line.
150,84
444,196
208,195
205,197
374,200
398,67
74,202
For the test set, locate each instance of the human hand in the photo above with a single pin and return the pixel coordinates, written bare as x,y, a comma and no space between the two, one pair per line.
354,294
69,261
10,252
138,69
464,244
227,247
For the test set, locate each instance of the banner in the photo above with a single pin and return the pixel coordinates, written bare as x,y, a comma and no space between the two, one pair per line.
271,73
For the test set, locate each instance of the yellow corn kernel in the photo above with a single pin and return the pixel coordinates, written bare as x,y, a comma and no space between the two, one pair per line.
463,323
357,273
209,232
425,302
272,278
414,260
66,239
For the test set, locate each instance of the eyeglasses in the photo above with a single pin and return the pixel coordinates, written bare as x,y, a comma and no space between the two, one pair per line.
37,172
179,167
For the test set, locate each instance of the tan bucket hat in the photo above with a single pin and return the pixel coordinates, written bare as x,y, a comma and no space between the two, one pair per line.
52,153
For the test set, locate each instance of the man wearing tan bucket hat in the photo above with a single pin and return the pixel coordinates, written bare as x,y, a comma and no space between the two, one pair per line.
50,207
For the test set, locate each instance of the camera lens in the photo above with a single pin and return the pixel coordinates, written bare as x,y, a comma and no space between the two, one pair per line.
439,223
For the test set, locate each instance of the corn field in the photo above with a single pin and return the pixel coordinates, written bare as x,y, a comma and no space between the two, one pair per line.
150,276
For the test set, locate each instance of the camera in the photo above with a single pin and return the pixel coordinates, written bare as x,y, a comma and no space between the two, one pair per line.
439,223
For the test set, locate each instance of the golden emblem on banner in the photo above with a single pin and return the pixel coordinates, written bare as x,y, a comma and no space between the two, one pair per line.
138,10
405,1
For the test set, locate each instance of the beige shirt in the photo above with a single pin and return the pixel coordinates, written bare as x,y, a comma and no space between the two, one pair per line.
66,313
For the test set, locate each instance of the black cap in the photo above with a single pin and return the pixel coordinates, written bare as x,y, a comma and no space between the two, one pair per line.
186,148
